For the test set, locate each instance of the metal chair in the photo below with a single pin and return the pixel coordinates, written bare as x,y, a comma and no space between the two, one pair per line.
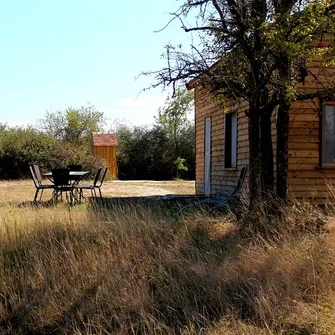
38,173
75,167
224,197
61,178
37,179
91,187
101,181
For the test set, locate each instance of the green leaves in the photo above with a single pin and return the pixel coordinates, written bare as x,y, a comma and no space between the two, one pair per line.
74,125
174,114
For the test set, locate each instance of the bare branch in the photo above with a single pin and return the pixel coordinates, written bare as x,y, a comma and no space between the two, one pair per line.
203,28
220,12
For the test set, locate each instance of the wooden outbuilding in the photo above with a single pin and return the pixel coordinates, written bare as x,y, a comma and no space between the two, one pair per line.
222,144
104,146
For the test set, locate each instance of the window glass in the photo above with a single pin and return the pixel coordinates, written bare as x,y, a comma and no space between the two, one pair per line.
231,140
328,138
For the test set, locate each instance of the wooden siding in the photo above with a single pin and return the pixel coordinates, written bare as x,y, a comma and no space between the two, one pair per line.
221,178
107,153
306,179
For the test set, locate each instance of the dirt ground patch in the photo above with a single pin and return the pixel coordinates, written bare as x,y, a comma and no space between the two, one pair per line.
148,188
24,190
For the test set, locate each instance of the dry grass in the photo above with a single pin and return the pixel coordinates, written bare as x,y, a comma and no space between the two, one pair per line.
14,192
138,270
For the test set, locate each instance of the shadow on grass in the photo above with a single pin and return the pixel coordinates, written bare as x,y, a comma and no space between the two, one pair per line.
182,288
37,204
168,204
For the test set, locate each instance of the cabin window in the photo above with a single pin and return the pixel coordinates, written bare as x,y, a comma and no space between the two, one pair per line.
328,135
230,140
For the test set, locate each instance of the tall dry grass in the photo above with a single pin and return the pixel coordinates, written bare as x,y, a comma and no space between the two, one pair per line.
138,269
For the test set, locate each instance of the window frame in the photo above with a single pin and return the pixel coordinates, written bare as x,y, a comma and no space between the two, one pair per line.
207,155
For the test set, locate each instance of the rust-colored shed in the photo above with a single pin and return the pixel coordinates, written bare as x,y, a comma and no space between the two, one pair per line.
104,146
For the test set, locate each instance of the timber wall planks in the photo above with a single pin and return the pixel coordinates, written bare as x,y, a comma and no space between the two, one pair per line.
108,153
221,178
305,178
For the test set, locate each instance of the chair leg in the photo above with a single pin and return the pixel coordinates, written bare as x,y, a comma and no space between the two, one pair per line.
54,195
100,193
82,194
70,196
74,194
96,195
57,194
36,194
41,194
73,197
79,195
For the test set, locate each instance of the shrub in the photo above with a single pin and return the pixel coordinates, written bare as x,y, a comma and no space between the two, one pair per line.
20,147
149,153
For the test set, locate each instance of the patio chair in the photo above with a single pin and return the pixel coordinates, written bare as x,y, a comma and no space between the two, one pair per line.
224,197
75,167
101,181
37,179
91,187
38,173
61,178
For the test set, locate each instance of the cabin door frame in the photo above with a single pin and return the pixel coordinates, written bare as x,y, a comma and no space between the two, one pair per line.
207,147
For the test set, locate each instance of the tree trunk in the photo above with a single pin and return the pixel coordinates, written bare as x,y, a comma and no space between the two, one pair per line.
255,161
282,131
282,150
267,153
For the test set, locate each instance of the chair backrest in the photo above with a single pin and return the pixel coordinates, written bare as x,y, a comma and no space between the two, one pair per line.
61,177
103,176
75,167
240,180
38,173
33,176
97,176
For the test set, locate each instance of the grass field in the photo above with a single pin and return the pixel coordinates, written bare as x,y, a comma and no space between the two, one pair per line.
141,269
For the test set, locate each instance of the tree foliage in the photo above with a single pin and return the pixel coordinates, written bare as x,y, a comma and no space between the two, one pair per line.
20,147
65,142
143,152
73,125
148,153
173,116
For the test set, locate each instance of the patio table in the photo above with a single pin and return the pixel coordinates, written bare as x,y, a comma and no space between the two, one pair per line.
76,176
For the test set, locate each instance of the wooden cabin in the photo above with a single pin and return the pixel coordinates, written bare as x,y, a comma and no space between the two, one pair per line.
104,146
222,146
